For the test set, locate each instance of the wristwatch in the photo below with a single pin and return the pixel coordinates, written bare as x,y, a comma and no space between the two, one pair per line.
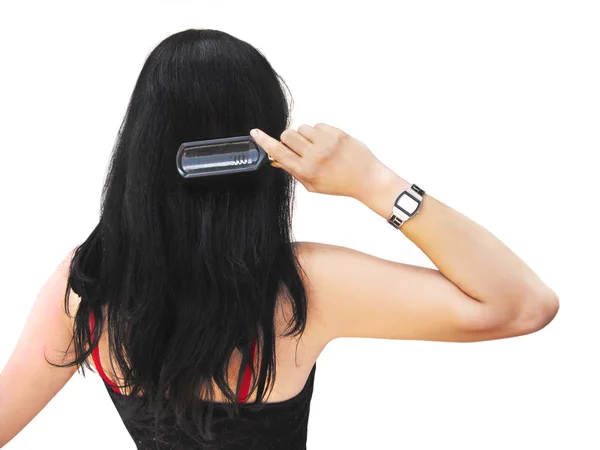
407,205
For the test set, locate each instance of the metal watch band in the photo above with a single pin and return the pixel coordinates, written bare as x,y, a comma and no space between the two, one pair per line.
399,214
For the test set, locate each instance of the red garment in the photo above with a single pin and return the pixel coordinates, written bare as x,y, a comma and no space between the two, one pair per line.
244,390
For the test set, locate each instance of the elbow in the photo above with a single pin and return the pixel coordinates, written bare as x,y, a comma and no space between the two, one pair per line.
536,312
530,314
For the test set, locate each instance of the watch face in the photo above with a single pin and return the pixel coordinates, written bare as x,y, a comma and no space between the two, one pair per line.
407,203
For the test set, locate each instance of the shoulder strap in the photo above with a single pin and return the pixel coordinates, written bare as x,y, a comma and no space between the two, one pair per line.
245,388
96,358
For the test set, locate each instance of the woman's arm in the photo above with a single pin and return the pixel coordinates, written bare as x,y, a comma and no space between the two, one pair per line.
471,257
28,382
481,290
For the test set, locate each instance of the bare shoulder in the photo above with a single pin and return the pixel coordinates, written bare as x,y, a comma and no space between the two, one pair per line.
317,334
303,350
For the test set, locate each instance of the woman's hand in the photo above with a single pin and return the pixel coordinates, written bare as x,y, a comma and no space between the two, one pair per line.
323,158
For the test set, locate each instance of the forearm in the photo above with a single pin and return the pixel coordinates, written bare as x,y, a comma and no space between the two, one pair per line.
467,254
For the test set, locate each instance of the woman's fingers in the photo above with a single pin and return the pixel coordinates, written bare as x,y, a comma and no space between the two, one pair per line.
292,139
330,129
311,134
323,158
286,157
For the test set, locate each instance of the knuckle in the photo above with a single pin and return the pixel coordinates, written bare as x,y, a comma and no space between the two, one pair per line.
286,134
327,153
303,128
278,150
339,141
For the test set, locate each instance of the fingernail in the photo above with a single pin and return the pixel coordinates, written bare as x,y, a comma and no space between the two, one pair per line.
254,133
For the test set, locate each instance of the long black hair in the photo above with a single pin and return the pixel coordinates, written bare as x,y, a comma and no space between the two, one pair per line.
188,274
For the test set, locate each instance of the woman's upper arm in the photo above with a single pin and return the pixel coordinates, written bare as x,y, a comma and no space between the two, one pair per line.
354,294
27,381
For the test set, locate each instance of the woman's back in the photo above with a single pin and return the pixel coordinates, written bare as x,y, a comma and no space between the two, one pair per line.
280,423
295,356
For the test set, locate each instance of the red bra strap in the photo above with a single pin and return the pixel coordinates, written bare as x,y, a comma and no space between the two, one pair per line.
245,388
96,358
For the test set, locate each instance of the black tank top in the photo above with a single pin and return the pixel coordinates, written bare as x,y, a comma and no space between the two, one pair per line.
274,426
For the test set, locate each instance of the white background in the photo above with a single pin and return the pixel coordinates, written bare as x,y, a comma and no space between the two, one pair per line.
491,107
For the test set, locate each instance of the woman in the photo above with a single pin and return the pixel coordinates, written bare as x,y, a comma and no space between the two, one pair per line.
202,315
